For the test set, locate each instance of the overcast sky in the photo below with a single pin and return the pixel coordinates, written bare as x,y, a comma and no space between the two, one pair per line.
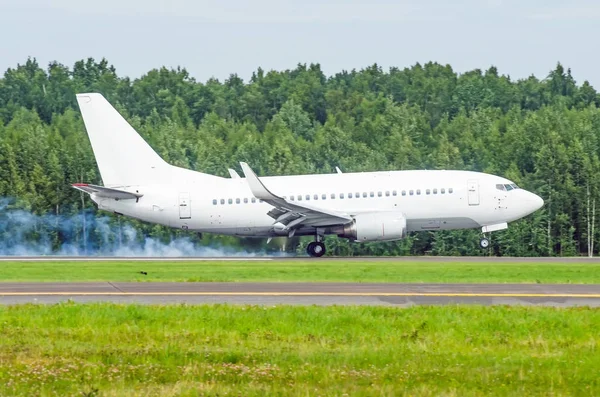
216,38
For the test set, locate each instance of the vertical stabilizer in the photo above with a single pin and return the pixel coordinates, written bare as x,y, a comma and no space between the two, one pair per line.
122,155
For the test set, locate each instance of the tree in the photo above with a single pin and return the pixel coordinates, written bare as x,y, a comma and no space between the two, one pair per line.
542,134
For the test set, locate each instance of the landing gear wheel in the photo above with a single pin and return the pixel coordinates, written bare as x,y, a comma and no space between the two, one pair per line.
316,249
484,243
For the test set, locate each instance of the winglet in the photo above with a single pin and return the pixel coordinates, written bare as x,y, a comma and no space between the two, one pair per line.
337,169
233,174
256,186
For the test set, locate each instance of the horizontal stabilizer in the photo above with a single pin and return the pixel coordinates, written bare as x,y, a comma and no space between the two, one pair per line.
101,191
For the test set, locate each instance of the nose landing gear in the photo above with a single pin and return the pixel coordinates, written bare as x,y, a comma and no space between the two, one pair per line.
487,233
484,243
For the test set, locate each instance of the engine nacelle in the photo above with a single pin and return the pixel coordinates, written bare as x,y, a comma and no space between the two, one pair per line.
376,226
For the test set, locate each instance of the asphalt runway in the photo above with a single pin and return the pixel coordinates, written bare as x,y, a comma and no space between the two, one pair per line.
449,259
304,293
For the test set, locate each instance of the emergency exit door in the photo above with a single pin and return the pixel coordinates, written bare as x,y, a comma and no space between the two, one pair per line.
185,208
473,191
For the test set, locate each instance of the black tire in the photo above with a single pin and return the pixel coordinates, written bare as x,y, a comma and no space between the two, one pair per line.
310,249
484,243
318,249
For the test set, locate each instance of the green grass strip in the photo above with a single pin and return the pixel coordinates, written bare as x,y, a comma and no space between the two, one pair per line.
131,350
309,270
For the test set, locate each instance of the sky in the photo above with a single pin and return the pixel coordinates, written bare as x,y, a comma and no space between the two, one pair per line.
217,38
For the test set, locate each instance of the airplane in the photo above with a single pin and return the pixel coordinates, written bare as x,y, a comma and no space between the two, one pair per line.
362,207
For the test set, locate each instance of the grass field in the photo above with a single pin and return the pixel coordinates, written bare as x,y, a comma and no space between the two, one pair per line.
119,350
309,270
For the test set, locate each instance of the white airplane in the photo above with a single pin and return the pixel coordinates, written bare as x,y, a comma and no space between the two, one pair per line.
367,206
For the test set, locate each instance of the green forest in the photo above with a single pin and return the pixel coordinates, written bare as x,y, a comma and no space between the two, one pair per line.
544,134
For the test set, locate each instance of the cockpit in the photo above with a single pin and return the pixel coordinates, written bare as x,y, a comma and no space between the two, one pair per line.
507,187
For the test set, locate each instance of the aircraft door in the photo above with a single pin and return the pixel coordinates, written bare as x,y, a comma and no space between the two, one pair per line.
473,191
185,207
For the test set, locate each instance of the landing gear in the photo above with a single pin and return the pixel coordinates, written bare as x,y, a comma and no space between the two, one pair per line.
484,243
316,249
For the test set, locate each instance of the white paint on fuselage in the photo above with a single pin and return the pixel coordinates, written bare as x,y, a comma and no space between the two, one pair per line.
161,203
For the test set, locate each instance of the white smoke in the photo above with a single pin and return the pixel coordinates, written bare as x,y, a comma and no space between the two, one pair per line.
86,233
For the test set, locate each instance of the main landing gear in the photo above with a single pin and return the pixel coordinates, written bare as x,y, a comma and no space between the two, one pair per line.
316,249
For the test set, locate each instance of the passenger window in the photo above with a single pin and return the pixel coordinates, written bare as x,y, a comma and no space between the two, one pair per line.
237,201
307,197
215,202
372,194
357,195
222,201
299,197
324,197
292,198
418,191
245,200
442,191
341,195
387,193
379,194
332,196
450,190
230,201
427,191
260,201
253,200
411,192
349,195
435,191
394,193
404,192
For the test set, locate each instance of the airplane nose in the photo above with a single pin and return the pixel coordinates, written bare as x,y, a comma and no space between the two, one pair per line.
538,202
533,202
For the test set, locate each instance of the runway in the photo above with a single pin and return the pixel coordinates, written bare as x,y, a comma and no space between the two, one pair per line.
448,259
304,293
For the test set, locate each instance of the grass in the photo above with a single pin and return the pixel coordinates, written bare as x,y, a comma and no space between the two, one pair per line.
309,270
131,350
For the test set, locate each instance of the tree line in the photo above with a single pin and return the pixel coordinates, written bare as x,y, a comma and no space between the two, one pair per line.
542,134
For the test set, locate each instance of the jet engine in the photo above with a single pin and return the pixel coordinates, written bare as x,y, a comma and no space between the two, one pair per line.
377,226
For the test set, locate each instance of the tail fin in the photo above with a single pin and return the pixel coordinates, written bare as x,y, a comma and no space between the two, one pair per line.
123,157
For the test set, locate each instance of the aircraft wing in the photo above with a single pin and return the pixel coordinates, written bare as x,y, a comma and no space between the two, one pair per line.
292,214
101,191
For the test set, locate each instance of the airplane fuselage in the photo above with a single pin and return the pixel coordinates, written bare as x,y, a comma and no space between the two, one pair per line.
429,200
